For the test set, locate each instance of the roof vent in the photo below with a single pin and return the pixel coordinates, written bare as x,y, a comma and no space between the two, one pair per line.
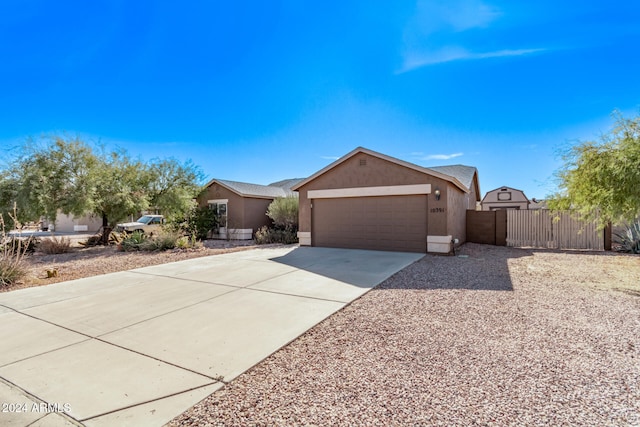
363,162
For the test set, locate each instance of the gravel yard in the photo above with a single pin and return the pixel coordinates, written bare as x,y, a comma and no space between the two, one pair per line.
86,262
497,336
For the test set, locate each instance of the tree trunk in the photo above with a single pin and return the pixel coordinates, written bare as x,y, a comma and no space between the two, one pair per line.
106,230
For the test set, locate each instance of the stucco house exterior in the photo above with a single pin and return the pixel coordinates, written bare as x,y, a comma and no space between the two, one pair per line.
242,205
368,200
68,223
505,198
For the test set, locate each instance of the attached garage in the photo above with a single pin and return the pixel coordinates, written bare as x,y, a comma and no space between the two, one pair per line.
367,200
396,223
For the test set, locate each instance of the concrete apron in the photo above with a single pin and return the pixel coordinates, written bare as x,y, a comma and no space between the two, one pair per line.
142,346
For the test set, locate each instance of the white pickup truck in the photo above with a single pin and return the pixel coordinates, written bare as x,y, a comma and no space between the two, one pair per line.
145,224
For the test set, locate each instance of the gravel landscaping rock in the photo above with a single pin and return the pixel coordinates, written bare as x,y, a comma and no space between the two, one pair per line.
93,261
496,336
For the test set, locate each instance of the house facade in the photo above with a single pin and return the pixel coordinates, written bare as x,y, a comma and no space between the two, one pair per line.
505,198
242,206
368,200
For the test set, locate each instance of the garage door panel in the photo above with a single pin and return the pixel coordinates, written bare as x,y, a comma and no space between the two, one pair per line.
396,223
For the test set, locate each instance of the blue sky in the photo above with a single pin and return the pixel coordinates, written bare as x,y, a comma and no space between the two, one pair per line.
262,91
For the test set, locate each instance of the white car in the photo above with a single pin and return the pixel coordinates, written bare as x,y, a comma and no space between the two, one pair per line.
145,224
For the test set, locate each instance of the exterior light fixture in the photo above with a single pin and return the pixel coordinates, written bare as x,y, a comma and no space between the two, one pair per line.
437,193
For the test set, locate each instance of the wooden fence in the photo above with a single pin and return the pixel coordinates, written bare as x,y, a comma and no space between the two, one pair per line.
535,228
553,230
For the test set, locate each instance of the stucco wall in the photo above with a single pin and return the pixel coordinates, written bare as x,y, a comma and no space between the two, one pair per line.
66,223
255,213
376,172
235,205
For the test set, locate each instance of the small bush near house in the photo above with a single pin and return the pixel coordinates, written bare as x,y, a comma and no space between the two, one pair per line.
284,212
199,221
629,240
266,235
55,245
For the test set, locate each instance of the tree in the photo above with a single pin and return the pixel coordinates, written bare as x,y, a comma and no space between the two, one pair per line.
603,176
284,212
68,175
172,186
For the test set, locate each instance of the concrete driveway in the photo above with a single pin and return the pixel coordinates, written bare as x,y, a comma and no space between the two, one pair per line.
142,346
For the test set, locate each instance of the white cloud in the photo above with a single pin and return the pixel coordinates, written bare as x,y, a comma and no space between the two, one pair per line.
441,156
330,157
450,54
442,20
457,15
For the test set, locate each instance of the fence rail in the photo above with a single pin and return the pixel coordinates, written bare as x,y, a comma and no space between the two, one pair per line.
552,230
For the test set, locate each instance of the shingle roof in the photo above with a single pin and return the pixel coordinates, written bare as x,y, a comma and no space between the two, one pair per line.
277,189
462,173
287,184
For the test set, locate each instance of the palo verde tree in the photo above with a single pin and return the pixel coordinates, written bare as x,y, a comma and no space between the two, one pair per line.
172,186
70,176
603,176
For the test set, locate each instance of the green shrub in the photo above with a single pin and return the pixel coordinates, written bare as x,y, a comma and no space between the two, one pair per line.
284,213
186,242
266,235
199,221
133,241
629,240
55,245
160,242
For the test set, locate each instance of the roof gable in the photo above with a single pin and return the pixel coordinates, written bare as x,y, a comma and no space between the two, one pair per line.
246,189
459,175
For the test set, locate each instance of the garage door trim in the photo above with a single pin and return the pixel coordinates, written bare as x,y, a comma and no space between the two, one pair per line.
392,190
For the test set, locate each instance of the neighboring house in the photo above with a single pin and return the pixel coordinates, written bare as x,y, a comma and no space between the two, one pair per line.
242,206
505,198
69,224
368,200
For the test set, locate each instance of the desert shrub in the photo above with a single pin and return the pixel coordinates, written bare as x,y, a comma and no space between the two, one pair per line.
629,239
186,242
55,245
284,213
160,242
199,221
133,241
12,254
28,245
266,235
115,237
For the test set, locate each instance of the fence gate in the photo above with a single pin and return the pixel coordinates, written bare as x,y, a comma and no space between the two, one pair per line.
553,230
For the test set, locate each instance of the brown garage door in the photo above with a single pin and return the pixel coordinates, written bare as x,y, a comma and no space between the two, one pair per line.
390,223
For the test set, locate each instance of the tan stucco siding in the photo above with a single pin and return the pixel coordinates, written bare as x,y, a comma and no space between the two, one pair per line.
235,204
457,213
351,173
255,213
